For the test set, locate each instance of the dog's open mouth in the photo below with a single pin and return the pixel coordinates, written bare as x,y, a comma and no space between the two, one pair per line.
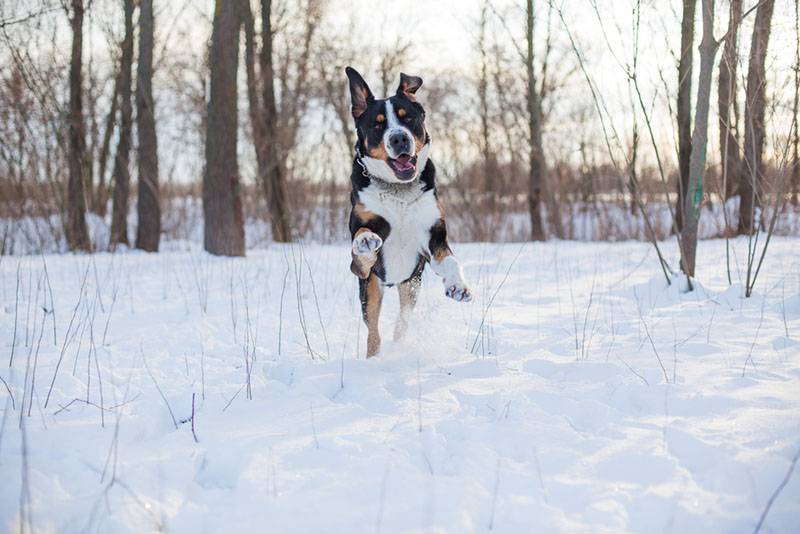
404,166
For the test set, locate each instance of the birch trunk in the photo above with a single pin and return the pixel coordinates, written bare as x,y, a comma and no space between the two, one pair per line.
697,165
685,106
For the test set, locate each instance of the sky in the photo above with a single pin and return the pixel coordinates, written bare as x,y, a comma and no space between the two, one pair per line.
444,33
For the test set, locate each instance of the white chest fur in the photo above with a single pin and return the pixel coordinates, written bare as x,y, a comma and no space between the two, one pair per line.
410,212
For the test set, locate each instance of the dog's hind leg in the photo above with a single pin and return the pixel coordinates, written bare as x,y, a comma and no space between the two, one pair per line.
371,293
408,290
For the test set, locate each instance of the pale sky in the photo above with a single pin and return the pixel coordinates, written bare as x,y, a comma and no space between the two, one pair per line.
444,33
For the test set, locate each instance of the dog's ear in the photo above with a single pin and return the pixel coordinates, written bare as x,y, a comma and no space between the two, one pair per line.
360,95
408,85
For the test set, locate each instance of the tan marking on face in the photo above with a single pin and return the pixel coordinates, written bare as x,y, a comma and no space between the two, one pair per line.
418,144
374,298
380,118
378,152
401,113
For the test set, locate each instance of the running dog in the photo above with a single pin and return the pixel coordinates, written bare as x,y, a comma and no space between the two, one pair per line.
396,221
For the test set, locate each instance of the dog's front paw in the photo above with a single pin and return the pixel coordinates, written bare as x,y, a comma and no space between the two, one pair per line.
367,243
458,292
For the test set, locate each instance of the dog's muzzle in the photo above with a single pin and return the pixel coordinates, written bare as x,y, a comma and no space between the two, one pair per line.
401,153
400,143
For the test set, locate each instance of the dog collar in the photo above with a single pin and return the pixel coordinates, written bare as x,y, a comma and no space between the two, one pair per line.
359,155
386,189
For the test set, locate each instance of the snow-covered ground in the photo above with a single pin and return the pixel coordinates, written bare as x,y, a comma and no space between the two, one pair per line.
577,392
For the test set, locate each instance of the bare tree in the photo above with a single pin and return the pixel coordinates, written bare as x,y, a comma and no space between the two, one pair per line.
536,164
75,228
684,109
272,176
148,232
726,100
754,134
796,139
697,167
222,195
488,163
121,175
100,198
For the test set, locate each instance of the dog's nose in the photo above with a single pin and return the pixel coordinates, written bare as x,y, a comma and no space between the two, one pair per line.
400,143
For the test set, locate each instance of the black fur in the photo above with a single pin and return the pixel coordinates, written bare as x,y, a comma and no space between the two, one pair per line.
371,122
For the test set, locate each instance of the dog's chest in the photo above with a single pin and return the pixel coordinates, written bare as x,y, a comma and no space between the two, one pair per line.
410,213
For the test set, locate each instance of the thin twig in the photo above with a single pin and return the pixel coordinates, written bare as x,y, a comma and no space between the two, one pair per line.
194,435
163,397
496,291
16,312
10,394
777,492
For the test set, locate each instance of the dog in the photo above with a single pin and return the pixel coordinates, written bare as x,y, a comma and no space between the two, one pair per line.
396,220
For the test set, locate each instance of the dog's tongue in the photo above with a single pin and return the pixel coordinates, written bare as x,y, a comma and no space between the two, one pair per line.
403,163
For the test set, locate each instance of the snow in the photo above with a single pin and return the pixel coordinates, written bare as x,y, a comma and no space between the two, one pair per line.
577,392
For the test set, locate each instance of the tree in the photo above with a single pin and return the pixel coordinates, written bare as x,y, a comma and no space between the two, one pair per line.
726,100
100,198
685,106
75,228
121,174
751,172
795,190
149,213
536,164
488,160
223,225
275,123
697,167
273,178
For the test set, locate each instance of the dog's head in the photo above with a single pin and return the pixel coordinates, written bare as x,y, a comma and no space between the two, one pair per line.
391,133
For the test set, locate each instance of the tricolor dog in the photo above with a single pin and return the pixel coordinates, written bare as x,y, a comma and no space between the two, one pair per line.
396,222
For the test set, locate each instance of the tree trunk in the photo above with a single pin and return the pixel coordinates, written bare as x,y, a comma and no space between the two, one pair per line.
697,167
253,102
222,195
271,173
685,106
148,232
796,139
75,229
726,100
92,135
536,165
122,176
755,103
489,176
100,198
